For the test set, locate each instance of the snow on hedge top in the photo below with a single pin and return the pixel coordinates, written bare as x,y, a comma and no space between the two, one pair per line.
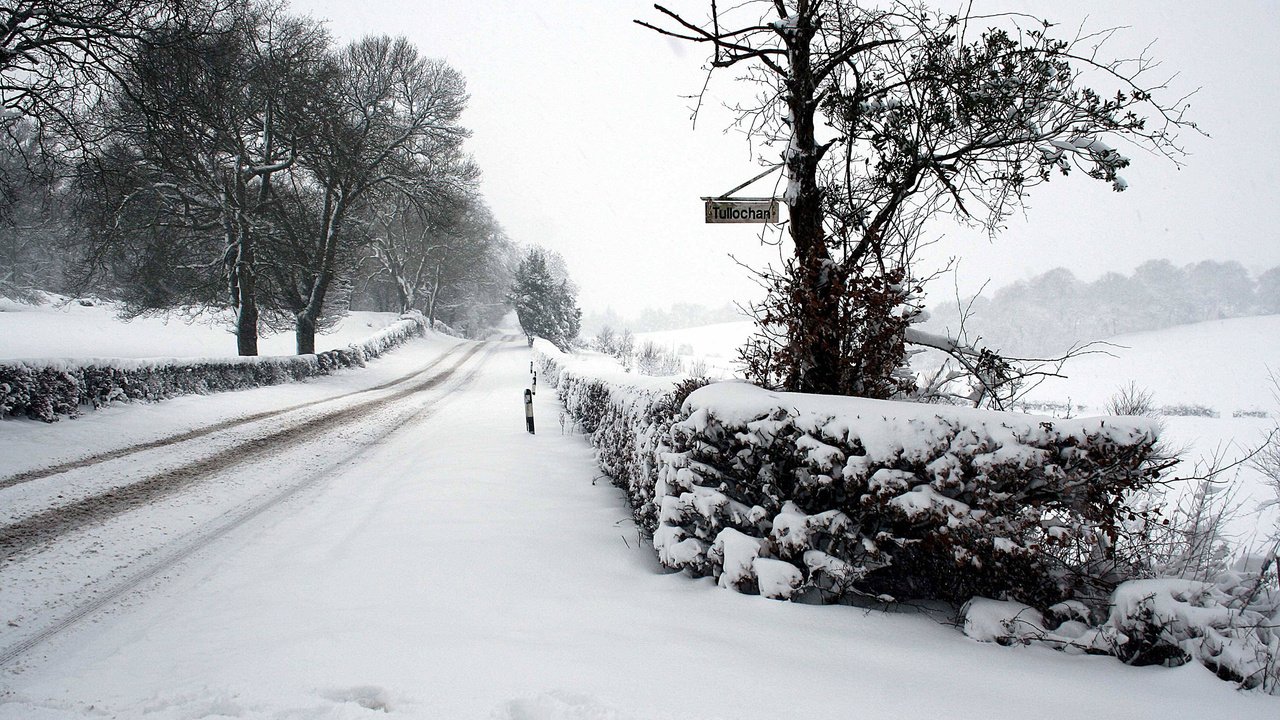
598,366
886,428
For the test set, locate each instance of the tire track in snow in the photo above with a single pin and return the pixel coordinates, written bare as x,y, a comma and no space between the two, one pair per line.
88,461
227,523
35,530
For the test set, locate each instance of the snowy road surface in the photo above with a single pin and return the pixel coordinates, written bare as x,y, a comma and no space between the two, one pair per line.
397,543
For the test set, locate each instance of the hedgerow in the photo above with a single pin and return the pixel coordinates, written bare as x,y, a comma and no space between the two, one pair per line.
50,389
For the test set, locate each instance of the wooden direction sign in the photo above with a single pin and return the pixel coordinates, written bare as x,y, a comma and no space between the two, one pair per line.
742,210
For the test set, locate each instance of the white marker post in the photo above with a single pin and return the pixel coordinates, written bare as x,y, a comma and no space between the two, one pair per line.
528,410
535,383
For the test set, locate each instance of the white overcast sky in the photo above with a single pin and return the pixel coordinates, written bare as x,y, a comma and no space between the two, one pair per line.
587,148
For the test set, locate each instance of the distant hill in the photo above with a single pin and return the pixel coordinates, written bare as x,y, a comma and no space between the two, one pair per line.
1223,365
1047,314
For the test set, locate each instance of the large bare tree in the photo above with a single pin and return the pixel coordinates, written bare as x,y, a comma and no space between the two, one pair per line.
390,118
886,116
202,124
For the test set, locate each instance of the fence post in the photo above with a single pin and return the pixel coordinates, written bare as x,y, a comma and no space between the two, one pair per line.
528,410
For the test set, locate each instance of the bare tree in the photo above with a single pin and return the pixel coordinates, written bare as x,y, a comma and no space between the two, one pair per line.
209,119
423,250
34,222
887,116
57,56
390,114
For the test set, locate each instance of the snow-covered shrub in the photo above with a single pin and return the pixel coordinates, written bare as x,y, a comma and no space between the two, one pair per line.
1231,625
1170,621
1188,410
1131,400
899,499
1002,621
861,496
48,389
1068,626
656,360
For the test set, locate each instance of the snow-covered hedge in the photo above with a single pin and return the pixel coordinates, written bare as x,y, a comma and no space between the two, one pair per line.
827,499
784,494
49,389
788,495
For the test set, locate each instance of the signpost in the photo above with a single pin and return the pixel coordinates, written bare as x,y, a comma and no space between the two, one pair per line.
728,209
742,210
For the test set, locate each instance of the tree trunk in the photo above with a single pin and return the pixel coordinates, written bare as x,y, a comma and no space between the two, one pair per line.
305,333
814,333
242,283
247,315
435,293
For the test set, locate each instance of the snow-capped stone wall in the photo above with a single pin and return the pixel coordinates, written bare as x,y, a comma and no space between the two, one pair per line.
48,389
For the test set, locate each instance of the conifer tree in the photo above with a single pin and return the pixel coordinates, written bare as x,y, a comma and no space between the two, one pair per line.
547,307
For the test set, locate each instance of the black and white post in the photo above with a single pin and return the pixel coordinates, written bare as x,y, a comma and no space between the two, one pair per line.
528,410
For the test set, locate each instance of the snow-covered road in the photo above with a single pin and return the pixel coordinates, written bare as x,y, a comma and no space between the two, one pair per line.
419,554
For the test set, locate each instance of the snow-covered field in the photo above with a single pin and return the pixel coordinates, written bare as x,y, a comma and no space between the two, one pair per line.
717,345
437,561
64,328
1224,365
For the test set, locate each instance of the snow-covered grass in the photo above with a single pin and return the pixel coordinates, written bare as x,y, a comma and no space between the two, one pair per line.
64,328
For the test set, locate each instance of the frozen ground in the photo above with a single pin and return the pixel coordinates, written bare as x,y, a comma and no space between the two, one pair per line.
413,552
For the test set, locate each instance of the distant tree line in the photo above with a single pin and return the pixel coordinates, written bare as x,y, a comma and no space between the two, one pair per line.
1055,310
227,155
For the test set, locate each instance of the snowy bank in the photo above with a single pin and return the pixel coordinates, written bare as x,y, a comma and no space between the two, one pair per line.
47,389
